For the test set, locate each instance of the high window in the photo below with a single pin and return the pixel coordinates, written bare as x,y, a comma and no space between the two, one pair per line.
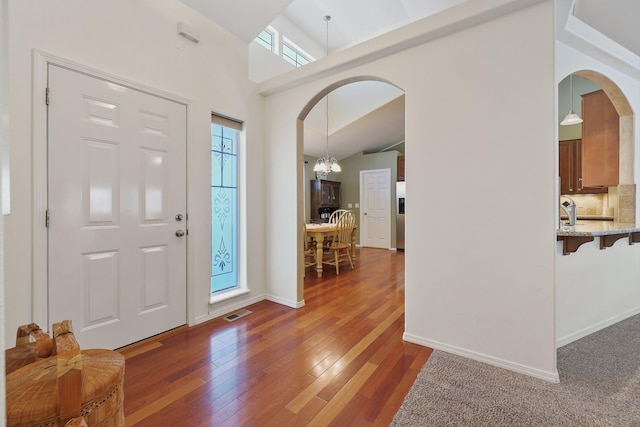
270,39
224,204
267,38
293,54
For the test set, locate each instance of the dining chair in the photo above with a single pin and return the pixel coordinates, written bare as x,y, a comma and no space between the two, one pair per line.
333,218
341,242
309,247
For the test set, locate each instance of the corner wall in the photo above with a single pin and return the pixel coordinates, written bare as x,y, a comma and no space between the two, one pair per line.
477,283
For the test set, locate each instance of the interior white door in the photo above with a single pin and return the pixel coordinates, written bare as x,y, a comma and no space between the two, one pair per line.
116,188
375,191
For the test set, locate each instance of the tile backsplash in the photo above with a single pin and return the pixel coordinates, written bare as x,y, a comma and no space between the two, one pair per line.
593,204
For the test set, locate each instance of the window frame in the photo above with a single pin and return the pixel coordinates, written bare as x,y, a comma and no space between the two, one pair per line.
273,46
240,217
280,44
299,53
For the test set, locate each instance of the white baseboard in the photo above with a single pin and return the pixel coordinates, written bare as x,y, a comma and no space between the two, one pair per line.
288,303
567,339
516,367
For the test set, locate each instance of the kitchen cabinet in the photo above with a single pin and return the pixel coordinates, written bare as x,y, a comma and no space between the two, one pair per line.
324,194
400,168
600,141
567,160
570,165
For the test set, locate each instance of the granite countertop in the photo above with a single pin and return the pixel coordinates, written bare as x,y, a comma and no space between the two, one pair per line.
597,228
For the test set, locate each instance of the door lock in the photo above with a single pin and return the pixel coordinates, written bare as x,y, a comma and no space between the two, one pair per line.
179,217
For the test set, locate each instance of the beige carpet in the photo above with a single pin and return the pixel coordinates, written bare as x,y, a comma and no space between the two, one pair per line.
599,386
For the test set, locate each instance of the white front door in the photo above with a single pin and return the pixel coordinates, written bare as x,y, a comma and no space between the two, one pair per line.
375,203
116,188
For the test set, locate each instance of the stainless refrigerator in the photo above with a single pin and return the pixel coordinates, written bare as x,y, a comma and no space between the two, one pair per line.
400,195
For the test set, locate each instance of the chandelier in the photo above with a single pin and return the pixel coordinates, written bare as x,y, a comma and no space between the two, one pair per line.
327,164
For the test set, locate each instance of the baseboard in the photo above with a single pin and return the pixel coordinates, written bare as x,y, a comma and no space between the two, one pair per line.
567,339
282,301
500,363
221,310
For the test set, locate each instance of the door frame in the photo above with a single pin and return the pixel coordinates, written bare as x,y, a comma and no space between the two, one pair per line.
41,62
391,211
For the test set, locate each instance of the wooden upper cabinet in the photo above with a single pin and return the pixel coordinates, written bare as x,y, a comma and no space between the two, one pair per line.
567,160
570,165
600,141
400,168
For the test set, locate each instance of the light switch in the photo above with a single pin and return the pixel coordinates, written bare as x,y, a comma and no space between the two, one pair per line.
357,205
349,205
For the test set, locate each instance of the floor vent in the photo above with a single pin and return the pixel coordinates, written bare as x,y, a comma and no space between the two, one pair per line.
238,314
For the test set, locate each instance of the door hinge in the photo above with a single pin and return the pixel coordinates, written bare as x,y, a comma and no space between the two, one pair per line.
47,218
46,96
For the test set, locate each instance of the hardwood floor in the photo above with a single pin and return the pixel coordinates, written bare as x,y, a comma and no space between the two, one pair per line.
338,361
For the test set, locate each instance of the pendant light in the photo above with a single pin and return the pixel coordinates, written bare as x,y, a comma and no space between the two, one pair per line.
571,118
327,164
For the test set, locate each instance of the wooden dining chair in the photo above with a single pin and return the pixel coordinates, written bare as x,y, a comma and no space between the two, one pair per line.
335,215
333,219
341,242
309,247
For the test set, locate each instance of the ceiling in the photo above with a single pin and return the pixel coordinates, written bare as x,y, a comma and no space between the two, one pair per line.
617,19
354,21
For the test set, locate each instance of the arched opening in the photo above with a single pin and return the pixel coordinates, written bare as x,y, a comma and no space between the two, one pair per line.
617,202
388,107
597,286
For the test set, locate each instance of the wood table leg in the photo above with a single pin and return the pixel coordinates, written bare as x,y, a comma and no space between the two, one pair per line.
319,240
353,246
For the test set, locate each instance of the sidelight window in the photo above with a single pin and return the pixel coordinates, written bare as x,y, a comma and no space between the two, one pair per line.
224,204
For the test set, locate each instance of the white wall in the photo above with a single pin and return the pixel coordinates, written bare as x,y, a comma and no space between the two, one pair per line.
596,288
4,145
138,40
479,264
264,64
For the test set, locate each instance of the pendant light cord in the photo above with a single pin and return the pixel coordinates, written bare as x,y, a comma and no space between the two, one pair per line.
571,90
327,18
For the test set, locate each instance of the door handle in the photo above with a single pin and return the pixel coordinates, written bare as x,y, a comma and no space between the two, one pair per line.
179,233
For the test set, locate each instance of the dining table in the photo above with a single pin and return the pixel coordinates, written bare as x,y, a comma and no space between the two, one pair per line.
319,232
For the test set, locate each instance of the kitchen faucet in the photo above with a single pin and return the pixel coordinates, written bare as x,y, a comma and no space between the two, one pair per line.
570,208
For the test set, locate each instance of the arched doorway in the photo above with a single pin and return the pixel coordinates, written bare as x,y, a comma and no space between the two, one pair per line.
305,174
621,197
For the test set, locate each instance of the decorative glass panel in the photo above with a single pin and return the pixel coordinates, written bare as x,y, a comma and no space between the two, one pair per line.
224,208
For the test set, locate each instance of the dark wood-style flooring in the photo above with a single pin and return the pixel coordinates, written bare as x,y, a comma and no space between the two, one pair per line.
338,361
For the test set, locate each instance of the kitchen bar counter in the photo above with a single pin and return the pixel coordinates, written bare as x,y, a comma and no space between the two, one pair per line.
586,231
